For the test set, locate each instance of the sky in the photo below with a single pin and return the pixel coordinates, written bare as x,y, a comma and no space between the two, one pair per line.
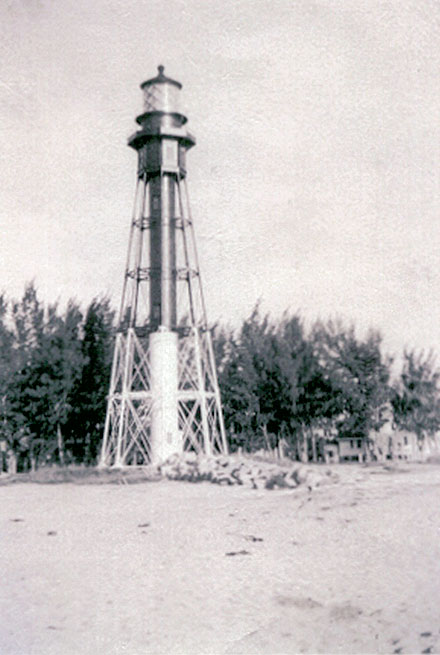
314,184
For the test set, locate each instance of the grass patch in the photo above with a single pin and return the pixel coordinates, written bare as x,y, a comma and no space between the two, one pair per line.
83,475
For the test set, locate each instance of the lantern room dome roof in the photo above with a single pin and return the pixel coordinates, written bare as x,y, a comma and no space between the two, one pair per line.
161,79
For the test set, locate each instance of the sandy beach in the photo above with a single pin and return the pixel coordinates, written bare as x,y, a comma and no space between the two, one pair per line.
173,567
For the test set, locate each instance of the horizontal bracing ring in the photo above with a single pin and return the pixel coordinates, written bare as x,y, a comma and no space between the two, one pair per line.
148,222
147,395
186,273
145,274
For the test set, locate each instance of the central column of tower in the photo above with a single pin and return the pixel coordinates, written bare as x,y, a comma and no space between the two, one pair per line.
163,344
163,251
161,144
165,436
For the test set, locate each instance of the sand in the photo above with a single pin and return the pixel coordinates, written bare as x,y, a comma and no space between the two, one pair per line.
173,567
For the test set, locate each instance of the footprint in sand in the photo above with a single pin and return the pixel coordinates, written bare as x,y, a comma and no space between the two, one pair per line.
298,602
250,537
344,612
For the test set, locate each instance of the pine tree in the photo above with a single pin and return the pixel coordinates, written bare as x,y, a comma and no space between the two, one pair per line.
239,382
88,398
416,395
358,374
53,361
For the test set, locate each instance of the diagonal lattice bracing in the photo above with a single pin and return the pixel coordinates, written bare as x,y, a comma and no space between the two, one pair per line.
128,429
141,369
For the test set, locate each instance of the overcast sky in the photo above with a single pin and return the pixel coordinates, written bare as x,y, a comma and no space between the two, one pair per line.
315,180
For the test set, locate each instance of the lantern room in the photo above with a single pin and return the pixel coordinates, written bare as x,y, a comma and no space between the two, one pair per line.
162,96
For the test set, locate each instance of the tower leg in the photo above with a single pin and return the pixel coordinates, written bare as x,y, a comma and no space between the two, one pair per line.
165,437
207,445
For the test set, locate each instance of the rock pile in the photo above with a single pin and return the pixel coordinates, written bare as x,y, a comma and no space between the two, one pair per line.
234,470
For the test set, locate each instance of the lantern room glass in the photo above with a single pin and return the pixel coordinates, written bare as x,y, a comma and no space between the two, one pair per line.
163,97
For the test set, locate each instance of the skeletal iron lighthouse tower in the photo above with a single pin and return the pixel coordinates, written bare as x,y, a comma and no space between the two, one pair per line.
164,396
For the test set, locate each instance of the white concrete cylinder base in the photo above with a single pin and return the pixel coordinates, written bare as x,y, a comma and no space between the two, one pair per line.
165,437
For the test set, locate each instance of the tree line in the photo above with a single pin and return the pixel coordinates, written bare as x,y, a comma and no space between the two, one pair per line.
279,381
54,370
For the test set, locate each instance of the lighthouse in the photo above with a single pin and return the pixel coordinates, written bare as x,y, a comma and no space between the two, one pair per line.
164,397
